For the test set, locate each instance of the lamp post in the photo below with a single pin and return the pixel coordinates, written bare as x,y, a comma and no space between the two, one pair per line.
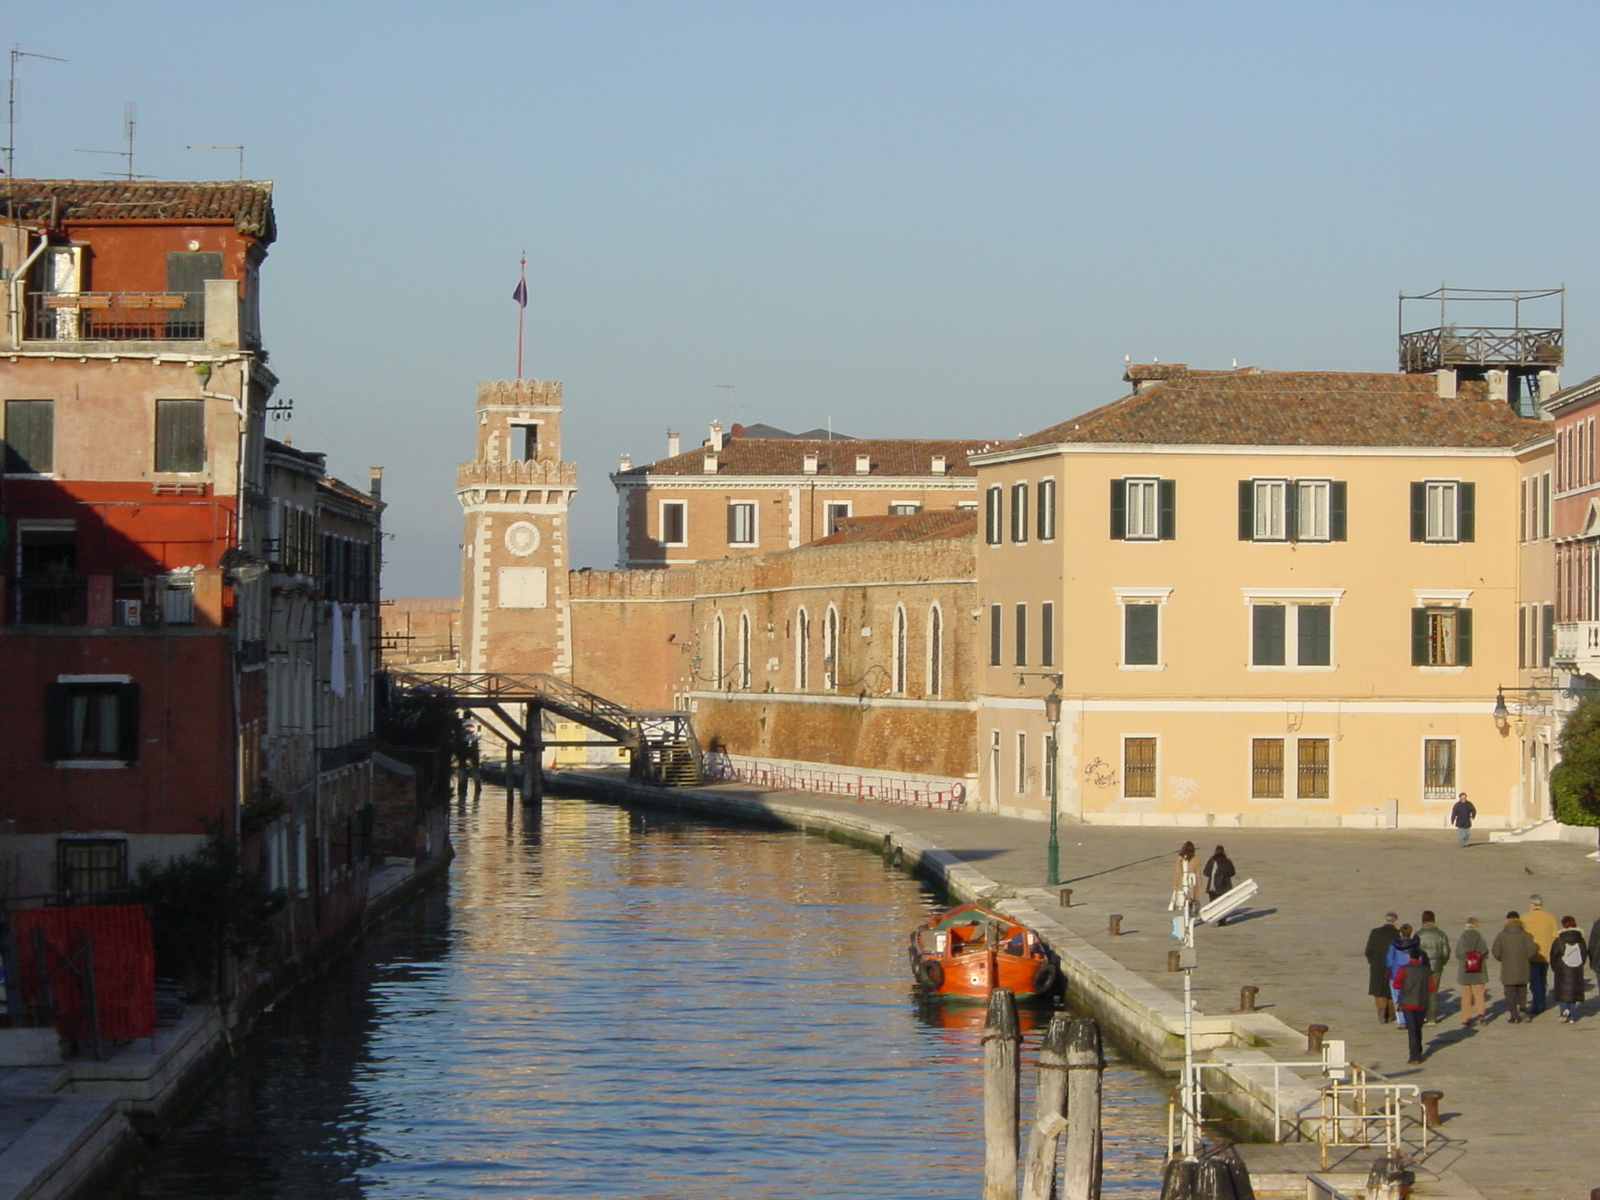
1052,714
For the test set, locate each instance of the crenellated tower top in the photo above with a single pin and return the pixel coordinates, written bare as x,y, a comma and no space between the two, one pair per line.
526,393
519,421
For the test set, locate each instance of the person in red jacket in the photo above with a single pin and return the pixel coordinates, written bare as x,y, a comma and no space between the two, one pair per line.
1413,982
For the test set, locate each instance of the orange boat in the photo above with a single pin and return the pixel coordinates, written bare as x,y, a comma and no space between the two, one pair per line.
969,951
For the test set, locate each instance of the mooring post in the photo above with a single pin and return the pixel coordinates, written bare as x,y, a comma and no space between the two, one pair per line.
532,760
1314,1036
1049,1112
1247,998
1114,927
1066,897
1001,1037
1082,1153
1430,1108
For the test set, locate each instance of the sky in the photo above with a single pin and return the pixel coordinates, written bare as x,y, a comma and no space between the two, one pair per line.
923,219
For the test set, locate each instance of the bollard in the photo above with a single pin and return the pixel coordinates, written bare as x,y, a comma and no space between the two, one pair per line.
1066,897
1174,957
1314,1036
1001,1037
1115,928
1247,998
1430,1109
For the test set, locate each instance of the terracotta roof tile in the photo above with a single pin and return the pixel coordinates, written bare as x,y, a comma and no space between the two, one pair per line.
924,526
786,456
246,203
1251,407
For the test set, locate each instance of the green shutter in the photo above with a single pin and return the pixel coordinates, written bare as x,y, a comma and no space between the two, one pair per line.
1140,628
1313,629
1119,510
30,437
1046,504
1419,635
1337,521
1267,635
991,515
1464,637
180,435
1022,635
1466,512
994,635
1247,510
1291,511
1169,509
1419,512
1547,636
128,722
1047,634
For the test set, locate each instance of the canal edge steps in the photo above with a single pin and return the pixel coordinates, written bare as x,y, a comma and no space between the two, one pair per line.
1142,1019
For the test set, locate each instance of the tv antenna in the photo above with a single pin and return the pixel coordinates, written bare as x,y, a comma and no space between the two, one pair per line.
17,52
128,122
240,149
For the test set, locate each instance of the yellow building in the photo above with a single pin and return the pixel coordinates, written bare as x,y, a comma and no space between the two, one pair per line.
1267,598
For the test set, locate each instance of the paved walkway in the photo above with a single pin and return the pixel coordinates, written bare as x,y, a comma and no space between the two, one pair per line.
1526,1099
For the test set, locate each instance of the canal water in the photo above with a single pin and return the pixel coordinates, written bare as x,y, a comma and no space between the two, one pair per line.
617,1003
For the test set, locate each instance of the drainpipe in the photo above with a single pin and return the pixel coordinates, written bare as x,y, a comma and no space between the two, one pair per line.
17,278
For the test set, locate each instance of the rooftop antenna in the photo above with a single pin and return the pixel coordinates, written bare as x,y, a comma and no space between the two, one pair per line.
128,122
17,52
240,149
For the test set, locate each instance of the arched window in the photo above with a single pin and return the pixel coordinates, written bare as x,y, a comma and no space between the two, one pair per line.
935,651
900,650
742,667
830,649
802,651
719,654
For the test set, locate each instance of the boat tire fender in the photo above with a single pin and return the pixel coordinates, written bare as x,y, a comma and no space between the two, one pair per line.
1045,977
934,973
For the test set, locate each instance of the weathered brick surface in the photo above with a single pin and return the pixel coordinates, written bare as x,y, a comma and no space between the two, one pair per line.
421,630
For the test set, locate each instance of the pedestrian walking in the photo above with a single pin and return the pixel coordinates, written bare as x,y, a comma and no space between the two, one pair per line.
1594,951
1461,816
1472,972
1435,944
1568,953
1219,874
1396,956
1185,888
1542,927
1514,949
1378,942
1411,983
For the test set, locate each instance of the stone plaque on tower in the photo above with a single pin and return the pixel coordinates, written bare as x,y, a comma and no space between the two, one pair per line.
514,497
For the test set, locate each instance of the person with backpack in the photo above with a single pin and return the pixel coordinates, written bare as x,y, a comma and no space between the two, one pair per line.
1472,972
1568,953
1412,983
1435,945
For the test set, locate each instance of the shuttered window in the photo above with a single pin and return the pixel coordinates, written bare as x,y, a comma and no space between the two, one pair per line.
1443,510
1266,768
1266,635
1314,630
991,516
1292,510
1139,767
180,435
741,524
1311,774
92,721
994,635
1022,635
1441,637
1047,634
1019,512
1045,502
673,522
30,437
1141,635
1144,509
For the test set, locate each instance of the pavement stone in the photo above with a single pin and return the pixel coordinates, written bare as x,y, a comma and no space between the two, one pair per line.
1523,1099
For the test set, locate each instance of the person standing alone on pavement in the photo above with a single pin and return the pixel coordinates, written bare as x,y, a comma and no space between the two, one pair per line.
1542,928
1513,949
1219,876
1472,972
1461,816
1411,983
1378,941
1435,944
1185,888
1567,955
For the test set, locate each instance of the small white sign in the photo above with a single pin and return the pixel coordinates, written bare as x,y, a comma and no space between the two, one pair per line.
523,587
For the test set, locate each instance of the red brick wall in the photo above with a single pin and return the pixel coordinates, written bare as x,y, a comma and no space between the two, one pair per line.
631,633
421,630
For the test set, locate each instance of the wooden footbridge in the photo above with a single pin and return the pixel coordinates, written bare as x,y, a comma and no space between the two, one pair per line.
661,746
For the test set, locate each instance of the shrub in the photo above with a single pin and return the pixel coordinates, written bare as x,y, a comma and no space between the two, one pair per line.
1575,780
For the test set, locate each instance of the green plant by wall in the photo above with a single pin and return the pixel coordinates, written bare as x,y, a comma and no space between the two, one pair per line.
1575,780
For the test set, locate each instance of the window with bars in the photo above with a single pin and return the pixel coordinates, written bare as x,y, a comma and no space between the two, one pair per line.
1311,774
900,649
1139,767
802,651
1439,768
1022,764
935,652
1266,768
89,870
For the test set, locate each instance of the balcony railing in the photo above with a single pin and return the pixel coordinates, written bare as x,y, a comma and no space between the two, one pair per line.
1578,645
116,316
1460,346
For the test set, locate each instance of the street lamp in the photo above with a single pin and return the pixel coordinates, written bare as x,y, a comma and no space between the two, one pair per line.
1052,714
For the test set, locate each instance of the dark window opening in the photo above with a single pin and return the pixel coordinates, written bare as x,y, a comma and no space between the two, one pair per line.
30,437
87,722
89,870
49,589
180,435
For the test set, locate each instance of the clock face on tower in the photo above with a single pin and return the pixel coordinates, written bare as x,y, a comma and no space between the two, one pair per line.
522,538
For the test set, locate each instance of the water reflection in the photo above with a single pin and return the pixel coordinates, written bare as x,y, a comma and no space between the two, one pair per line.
622,1004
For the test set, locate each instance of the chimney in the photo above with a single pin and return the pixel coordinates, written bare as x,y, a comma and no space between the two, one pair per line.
1549,384
625,463
938,464
376,490
808,464
1447,383
710,467
673,447
863,464
716,437
1499,386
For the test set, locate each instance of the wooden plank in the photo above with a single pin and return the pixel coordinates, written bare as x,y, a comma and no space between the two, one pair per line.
1001,1039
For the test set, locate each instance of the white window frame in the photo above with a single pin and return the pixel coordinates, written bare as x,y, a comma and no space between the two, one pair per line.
1019,511
1313,509
1270,506
1044,504
748,509
1130,596
683,521
1441,510
834,511
904,508
1141,517
994,520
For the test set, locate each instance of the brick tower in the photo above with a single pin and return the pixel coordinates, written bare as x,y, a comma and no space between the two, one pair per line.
514,495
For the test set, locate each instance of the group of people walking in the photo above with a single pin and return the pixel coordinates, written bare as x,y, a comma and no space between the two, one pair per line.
1406,966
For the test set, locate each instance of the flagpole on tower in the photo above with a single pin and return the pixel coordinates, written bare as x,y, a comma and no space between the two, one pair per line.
521,297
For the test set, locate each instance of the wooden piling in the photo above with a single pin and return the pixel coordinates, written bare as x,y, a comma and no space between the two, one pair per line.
1049,1112
1001,1039
1082,1153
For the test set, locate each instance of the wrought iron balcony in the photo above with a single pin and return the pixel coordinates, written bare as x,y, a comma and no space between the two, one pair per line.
115,316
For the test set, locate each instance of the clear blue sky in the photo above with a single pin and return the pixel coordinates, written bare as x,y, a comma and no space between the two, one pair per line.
928,218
